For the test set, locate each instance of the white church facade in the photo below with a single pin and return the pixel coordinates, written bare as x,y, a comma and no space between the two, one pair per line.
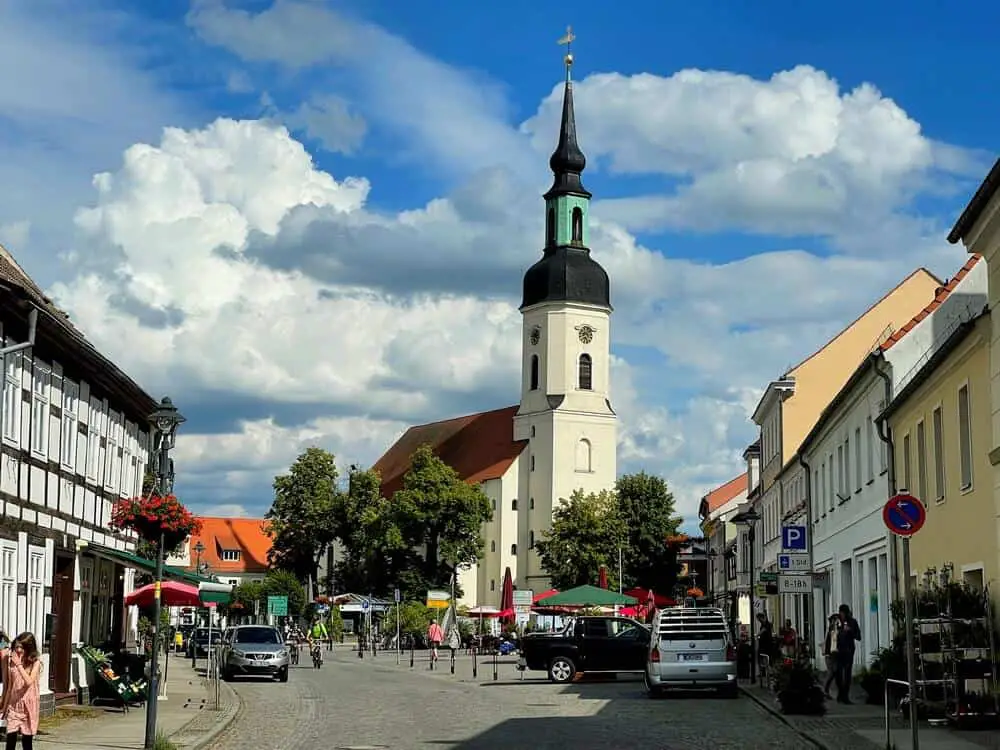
562,436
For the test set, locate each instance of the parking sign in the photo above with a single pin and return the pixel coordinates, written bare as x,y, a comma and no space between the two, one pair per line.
793,537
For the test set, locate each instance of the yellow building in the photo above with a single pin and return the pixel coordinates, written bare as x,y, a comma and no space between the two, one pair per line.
940,421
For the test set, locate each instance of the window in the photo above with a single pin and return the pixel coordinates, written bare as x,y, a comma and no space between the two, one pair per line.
906,463
494,504
532,463
858,466
921,462
36,585
583,455
231,555
531,503
532,430
40,382
493,546
830,494
965,436
577,222
12,398
8,582
938,427
128,472
847,468
94,440
586,369
70,419
513,504
531,539
840,471
869,432
815,500
493,585
513,549
534,372
550,227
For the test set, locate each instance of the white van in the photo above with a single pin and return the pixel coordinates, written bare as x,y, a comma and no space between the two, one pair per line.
690,648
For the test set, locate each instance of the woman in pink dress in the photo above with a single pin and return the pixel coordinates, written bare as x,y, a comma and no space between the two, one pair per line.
20,695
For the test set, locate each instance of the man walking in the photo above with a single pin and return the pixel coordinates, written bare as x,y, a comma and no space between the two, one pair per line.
847,636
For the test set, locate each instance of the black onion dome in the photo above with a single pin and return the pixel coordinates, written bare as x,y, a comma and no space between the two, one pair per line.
567,161
567,274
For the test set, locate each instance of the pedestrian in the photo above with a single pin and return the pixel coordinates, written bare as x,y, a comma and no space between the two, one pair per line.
788,640
20,704
435,635
830,653
847,636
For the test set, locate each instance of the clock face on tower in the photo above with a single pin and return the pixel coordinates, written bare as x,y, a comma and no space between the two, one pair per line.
586,334
536,335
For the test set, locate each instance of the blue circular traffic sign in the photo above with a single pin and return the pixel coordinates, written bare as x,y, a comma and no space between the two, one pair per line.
904,515
364,604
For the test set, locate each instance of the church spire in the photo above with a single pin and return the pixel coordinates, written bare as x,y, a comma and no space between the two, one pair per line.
567,161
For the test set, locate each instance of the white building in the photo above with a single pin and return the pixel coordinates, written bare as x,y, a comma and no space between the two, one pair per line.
716,512
849,469
73,442
739,570
563,435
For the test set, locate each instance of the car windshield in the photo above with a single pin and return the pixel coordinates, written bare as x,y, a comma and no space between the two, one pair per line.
256,635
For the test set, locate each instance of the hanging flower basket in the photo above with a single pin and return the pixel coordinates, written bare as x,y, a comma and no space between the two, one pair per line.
153,516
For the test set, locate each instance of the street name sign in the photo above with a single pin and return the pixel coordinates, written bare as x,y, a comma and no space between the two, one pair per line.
438,599
795,583
793,562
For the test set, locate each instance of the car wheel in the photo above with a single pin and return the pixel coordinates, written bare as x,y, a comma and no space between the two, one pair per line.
226,675
561,670
652,691
283,675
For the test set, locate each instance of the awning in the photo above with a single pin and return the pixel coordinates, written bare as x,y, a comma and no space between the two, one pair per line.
215,593
131,560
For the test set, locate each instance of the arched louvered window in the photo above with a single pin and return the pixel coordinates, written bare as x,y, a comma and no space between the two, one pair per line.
586,373
534,372
577,225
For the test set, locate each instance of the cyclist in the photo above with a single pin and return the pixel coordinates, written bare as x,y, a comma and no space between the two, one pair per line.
294,638
317,634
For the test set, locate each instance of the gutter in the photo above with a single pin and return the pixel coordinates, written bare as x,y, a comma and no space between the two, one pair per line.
885,433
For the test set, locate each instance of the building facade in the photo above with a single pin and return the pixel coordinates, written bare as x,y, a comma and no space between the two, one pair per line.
231,550
716,512
74,440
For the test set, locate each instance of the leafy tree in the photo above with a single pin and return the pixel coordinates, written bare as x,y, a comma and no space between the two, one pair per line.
414,618
283,583
248,595
301,518
585,534
440,517
646,508
335,624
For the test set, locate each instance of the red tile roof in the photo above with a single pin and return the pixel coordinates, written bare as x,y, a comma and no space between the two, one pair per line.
248,535
722,495
477,446
943,293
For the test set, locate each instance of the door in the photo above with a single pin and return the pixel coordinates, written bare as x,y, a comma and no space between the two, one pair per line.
594,645
628,646
61,642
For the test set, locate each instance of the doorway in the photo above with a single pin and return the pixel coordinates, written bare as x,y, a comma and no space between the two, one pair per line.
61,639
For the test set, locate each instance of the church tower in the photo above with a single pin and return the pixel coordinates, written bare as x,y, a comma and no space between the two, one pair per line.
565,413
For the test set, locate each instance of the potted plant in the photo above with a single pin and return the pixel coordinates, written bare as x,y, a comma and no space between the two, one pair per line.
155,517
798,689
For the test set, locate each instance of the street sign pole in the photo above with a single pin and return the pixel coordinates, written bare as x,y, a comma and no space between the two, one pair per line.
399,646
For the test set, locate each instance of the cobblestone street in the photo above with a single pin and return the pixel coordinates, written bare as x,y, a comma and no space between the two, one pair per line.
372,703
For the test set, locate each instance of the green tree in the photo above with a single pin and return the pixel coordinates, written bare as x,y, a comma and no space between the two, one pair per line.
414,618
586,533
335,623
646,508
283,583
301,518
440,517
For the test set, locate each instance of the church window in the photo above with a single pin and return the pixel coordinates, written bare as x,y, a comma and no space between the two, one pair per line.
531,504
534,372
493,585
513,504
531,538
586,373
493,546
513,549
577,225
532,463
494,504
583,455
532,430
550,228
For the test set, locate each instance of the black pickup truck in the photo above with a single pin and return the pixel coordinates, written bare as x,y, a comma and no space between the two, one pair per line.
587,644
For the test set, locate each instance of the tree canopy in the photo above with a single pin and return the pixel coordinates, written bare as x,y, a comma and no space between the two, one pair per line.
301,518
646,507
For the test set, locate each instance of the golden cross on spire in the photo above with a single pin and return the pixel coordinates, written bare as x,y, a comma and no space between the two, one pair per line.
567,41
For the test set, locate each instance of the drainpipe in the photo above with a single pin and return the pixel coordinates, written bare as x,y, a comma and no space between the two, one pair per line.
885,433
811,598
32,328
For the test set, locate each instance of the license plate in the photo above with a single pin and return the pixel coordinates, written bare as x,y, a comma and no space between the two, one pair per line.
692,657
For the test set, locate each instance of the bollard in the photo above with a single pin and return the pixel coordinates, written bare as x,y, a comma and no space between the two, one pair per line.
475,665
453,661
495,657
361,648
411,654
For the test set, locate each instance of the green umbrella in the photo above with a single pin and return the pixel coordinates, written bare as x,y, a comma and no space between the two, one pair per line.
586,596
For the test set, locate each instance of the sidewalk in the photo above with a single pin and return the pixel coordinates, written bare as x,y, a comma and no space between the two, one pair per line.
186,716
862,726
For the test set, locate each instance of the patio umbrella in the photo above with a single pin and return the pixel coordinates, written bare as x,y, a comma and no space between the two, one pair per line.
172,594
507,596
602,578
658,599
587,596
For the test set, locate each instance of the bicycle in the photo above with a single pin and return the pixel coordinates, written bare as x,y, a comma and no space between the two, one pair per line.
293,649
317,655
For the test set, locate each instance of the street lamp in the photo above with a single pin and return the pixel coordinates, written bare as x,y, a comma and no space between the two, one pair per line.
165,421
199,548
748,520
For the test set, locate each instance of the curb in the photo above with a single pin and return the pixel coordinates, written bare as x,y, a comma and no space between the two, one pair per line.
226,717
807,736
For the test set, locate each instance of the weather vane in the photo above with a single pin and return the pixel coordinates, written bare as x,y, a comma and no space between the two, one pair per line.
567,41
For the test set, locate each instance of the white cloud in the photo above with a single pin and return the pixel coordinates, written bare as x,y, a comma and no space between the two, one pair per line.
329,120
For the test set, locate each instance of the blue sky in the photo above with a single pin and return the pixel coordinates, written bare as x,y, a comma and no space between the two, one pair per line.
326,245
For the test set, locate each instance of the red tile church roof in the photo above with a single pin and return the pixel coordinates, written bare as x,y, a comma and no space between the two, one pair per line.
477,446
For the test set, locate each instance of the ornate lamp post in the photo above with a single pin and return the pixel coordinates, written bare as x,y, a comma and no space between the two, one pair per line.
199,549
749,519
165,421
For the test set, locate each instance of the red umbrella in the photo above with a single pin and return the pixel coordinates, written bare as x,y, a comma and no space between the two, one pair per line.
507,596
658,599
602,578
172,594
544,595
